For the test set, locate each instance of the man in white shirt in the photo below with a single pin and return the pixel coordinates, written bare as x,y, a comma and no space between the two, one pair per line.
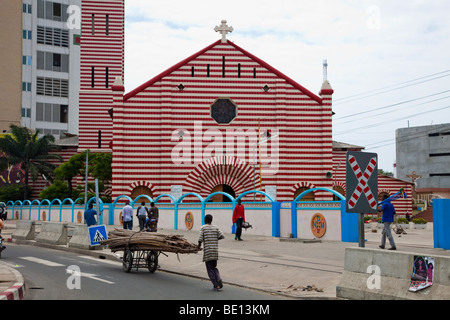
127,216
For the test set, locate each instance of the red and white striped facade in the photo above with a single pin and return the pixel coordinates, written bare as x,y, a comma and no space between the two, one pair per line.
147,122
102,60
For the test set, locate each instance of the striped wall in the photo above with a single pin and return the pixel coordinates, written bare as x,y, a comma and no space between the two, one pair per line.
102,60
147,122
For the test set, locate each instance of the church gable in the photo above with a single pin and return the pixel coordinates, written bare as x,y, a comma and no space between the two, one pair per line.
196,127
224,66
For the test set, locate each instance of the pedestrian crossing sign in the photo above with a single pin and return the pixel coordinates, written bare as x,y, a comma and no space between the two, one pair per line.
97,234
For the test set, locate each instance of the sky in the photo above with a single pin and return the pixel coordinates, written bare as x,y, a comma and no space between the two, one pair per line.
388,61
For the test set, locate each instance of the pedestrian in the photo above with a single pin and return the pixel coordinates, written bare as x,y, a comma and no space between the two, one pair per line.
387,219
238,219
210,236
127,216
153,216
141,213
89,215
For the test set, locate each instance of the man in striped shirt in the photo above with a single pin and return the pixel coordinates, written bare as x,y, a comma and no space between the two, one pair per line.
210,236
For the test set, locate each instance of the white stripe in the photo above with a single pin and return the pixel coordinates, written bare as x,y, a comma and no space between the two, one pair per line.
42,261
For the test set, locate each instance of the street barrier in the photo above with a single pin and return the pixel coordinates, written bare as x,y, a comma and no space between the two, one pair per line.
53,233
375,274
25,230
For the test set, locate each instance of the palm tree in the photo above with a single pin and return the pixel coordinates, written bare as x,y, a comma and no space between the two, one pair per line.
25,148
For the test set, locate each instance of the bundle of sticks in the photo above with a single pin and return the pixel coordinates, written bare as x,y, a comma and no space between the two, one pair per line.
119,239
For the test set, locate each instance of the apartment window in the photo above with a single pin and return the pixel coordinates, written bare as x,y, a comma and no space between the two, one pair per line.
52,61
26,113
26,8
26,34
56,11
26,60
52,10
52,87
26,86
53,36
49,112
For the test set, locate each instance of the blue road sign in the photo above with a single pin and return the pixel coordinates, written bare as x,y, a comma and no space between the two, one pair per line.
97,234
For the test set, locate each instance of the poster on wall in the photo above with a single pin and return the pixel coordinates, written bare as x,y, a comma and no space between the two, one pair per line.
423,272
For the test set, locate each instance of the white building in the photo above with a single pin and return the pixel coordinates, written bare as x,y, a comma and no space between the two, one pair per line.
50,67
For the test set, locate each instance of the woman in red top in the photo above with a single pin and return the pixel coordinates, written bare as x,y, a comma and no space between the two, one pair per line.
239,219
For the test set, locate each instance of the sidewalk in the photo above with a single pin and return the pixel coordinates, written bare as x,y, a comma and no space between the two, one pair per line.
288,267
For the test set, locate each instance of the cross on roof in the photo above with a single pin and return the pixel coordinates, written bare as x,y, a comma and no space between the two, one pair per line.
223,29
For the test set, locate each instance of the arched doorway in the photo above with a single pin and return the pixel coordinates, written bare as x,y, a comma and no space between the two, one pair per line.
340,190
308,197
220,197
140,190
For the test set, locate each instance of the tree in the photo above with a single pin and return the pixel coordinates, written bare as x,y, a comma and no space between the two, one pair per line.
31,152
99,168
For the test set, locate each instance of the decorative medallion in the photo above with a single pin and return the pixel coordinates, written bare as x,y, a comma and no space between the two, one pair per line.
121,218
318,225
189,220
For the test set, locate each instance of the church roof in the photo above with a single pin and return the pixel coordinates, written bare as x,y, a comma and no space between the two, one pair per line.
248,54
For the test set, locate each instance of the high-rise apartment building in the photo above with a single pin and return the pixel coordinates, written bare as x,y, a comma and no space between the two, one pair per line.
50,67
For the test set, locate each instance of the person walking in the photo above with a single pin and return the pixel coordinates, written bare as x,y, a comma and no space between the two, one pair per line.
239,219
127,216
387,219
210,236
89,215
141,214
153,216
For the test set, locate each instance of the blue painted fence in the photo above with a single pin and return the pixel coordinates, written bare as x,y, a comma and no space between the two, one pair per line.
349,221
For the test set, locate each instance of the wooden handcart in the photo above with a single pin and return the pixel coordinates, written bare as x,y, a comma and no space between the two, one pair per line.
134,257
142,249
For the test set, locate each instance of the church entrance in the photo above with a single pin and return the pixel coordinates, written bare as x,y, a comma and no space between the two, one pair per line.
140,190
220,197
308,197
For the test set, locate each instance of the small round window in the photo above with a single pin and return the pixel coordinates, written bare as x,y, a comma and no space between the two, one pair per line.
223,110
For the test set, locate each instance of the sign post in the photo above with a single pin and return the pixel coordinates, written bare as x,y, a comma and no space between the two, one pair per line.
362,186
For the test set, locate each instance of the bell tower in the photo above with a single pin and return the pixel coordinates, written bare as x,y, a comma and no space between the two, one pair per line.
101,62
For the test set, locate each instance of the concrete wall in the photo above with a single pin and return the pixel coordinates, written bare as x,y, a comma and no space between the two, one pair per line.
414,146
371,274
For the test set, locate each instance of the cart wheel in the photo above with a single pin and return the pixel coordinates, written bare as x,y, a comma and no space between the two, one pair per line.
127,260
152,261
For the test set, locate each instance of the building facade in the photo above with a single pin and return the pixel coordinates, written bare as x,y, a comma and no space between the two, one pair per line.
50,67
10,63
102,60
423,154
222,120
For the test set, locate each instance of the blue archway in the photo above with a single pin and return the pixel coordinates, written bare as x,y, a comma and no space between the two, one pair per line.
301,195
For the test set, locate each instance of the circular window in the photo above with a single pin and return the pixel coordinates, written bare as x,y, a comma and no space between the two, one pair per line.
223,110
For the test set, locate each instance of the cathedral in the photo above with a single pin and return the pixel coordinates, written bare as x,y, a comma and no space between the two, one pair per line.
220,120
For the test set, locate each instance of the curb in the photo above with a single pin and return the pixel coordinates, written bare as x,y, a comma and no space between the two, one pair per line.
17,290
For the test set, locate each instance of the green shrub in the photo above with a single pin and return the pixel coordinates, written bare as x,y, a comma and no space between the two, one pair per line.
402,220
419,221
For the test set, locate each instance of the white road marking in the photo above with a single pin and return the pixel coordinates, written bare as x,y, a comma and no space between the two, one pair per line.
89,275
54,264
42,261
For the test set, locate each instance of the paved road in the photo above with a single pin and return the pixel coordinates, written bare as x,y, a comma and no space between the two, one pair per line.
50,275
